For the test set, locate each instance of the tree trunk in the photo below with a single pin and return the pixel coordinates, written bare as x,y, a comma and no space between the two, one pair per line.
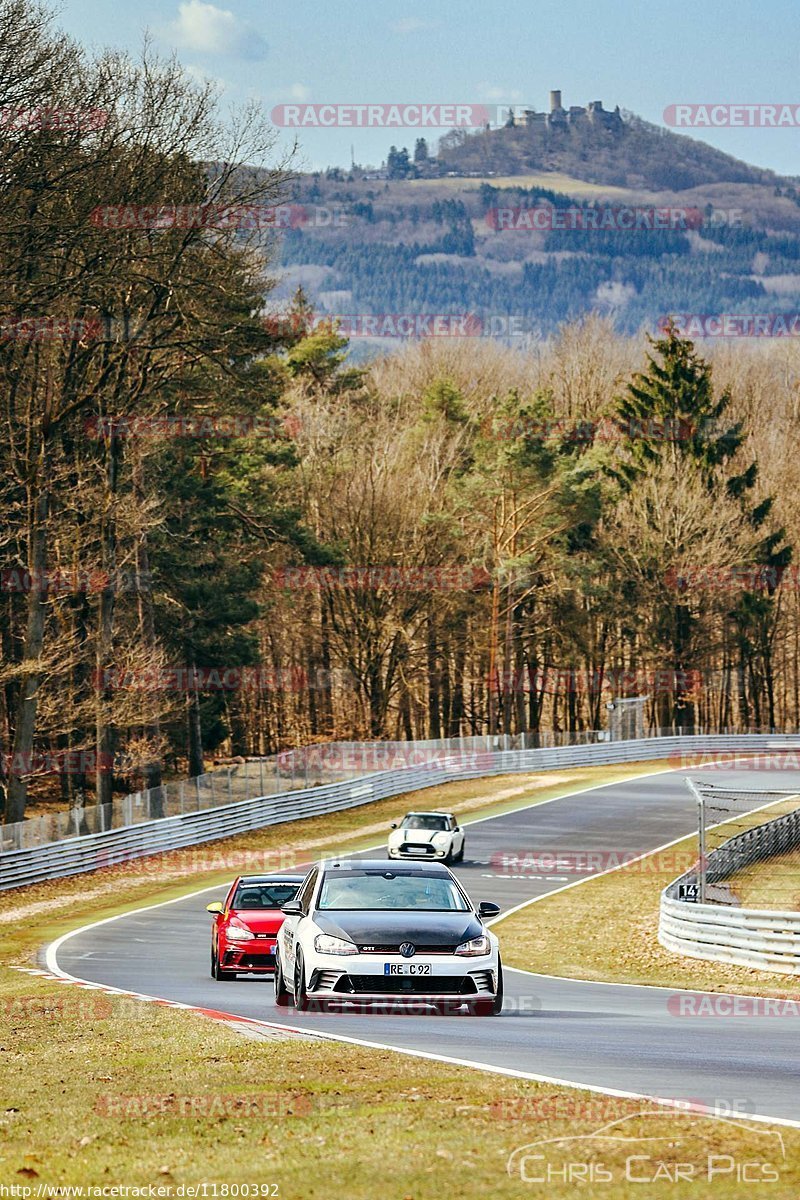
105,634
434,709
25,723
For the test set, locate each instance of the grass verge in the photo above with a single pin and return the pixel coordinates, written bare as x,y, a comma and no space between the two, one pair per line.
621,911
774,885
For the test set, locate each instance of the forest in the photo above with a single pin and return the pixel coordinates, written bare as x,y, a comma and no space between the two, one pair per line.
221,536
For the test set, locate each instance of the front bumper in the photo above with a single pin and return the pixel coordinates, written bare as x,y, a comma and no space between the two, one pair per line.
247,957
363,978
425,852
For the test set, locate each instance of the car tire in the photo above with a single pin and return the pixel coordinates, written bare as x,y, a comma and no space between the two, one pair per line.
301,1000
217,971
281,991
460,856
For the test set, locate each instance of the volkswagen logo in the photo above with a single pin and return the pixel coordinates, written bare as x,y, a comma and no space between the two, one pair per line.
408,949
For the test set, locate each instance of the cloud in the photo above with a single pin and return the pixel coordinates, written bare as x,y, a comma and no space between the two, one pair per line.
408,25
299,91
499,95
206,29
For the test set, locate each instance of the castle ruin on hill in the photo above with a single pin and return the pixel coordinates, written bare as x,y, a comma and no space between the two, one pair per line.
565,118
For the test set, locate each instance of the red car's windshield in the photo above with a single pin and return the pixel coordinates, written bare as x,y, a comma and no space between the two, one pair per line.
263,895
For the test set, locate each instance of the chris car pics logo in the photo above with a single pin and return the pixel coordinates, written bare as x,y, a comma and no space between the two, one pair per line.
646,1148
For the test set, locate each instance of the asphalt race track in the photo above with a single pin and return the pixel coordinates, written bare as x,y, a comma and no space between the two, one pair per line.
604,1036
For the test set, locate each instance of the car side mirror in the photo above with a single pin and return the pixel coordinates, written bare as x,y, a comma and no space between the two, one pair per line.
487,909
215,908
293,909
393,825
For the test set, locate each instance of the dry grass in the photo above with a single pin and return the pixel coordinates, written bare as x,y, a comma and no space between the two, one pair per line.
621,910
773,885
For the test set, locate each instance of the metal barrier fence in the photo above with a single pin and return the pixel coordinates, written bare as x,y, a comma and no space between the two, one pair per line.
290,770
767,940
92,851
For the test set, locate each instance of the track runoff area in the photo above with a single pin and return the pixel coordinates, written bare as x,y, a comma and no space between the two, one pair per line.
618,1039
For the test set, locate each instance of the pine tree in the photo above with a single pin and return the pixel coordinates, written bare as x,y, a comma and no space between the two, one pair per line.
670,413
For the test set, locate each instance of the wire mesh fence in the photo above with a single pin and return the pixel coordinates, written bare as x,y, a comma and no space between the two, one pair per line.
739,831
290,770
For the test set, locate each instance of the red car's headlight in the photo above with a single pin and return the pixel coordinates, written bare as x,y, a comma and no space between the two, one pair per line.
236,932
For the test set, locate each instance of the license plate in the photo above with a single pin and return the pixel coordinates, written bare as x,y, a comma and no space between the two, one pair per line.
406,968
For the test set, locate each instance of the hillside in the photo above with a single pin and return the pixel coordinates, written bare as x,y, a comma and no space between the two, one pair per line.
434,246
626,152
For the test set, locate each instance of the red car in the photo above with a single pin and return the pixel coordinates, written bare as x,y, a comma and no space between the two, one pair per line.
243,935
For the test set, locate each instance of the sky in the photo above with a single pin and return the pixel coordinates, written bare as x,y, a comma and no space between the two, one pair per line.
642,56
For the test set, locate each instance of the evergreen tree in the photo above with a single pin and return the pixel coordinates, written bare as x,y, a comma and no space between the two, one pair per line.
670,413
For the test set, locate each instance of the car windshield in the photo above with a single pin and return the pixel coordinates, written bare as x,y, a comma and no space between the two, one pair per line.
424,821
264,895
417,892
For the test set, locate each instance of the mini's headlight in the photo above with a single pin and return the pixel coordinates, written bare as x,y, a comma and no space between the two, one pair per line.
441,839
325,943
478,945
236,932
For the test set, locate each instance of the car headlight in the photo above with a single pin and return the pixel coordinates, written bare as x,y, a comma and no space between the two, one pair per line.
326,943
441,839
236,932
478,945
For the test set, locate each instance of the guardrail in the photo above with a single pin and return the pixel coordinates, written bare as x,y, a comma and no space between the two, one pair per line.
761,938
253,778
90,852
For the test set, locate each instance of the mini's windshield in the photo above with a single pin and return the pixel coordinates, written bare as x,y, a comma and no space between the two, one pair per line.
389,890
264,895
422,821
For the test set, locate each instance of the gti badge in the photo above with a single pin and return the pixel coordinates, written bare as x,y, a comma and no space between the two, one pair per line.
408,949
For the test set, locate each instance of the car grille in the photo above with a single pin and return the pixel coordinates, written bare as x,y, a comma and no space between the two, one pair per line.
371,948
233,958
423,850
417,985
